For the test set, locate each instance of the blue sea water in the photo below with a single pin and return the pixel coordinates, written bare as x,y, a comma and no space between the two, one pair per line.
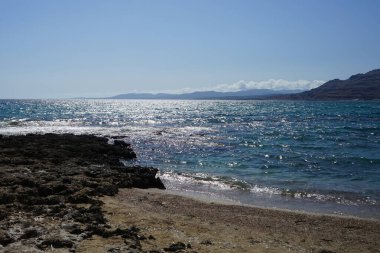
313,156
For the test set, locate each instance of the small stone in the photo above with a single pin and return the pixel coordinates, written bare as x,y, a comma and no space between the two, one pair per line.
30,233
57,243
326,251
206,242
176,247
253,241
142,238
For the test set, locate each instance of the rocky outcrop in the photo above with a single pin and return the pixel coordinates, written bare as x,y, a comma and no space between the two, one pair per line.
50,187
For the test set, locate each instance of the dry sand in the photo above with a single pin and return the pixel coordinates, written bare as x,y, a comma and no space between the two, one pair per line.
214,227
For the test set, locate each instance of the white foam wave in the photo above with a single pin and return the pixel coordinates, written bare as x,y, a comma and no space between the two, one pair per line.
22,126
265,189
220,183
198,178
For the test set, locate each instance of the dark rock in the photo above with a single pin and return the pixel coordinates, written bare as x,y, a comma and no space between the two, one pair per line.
30,233
57,176
76,229
121,143
145,177
50,189
5,238
57,243
176,247
133,244
6,198
106,189
142,238
3,214
24,181
206,242
123,249
80,197
129,233
92,215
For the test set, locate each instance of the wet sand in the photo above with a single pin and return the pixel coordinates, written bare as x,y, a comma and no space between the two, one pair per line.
214,227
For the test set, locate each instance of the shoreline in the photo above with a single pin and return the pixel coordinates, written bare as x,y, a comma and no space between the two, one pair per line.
268,200
215,227
71,193
317,174
199,197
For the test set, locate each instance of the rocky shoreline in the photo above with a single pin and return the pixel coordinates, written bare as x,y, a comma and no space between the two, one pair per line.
71,193
50,187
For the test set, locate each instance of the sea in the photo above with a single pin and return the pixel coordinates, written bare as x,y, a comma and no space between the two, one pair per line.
308,156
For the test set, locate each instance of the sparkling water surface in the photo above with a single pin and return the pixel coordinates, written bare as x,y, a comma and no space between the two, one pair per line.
313,156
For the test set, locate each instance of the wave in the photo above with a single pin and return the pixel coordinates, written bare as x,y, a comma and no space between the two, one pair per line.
222,183
339,197
25,125
205,179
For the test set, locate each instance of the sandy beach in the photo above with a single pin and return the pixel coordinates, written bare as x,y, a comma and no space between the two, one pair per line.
213,227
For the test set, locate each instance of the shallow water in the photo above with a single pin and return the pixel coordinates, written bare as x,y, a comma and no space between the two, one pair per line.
314,156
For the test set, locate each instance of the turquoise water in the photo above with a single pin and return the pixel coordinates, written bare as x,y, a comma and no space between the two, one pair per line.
318,156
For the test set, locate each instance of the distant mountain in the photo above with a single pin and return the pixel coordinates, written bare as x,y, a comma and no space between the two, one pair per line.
361,86
245,94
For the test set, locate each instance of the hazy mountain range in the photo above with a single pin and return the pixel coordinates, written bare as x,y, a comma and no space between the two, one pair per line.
361,86
244,94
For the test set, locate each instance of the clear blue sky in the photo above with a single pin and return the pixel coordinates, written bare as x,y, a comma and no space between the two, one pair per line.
51,49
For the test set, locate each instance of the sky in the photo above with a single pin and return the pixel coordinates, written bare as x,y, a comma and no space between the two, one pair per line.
97,48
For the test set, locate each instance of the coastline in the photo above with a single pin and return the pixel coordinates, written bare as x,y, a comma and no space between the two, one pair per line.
224,227
70,193
202,197
226,194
